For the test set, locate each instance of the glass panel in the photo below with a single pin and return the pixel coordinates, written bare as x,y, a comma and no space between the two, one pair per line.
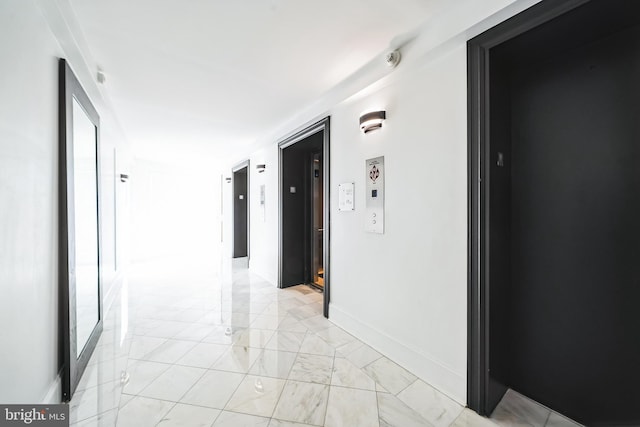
86,225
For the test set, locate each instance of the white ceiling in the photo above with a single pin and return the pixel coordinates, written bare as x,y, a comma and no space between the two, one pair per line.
183,74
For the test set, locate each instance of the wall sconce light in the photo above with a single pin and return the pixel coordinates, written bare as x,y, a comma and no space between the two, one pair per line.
124,177
228,179
372,121
261,168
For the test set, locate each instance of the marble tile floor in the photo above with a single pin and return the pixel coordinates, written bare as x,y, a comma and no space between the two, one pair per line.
517,410
236,351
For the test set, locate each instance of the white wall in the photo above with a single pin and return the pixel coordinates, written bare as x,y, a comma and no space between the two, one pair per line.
413,277
115,157
263,257
28,196
176,213
263,222
403,292
29,361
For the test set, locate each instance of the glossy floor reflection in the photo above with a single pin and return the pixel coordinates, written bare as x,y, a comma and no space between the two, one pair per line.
192,350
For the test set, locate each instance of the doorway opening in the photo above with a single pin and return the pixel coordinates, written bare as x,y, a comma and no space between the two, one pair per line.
554,200
241,210
304,210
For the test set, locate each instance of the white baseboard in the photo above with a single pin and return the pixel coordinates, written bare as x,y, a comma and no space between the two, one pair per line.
54,393
430,370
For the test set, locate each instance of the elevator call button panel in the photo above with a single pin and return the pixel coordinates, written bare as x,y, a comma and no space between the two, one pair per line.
374,220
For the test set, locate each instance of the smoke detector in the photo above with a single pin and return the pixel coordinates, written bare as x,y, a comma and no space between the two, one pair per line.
392,59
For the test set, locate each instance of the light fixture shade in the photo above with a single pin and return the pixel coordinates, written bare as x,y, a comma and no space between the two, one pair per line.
372,121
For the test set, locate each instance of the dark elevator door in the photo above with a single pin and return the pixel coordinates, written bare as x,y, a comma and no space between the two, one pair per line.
297,209
565,239
240,213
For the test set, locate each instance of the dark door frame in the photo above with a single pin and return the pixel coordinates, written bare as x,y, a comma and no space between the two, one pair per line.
236,168
479,93
319,126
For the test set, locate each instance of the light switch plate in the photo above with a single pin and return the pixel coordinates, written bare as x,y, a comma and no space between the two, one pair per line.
346,197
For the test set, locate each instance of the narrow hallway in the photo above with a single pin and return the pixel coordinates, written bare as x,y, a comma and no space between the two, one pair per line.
464,216
184,347
238,351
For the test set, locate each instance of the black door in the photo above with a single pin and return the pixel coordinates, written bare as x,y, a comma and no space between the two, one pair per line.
298,177
240,213
561,207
